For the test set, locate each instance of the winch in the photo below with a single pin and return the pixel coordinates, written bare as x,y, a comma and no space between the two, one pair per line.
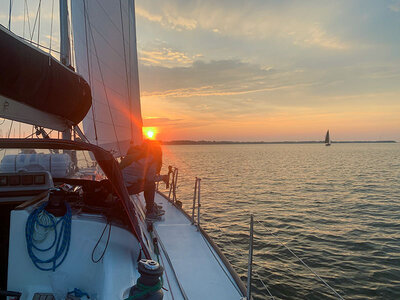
149,285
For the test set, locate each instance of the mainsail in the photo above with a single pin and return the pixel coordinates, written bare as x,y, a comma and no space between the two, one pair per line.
105,52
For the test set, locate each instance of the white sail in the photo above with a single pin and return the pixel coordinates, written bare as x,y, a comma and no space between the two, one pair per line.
105,52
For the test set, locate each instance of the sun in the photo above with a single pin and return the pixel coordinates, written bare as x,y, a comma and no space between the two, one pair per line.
150,132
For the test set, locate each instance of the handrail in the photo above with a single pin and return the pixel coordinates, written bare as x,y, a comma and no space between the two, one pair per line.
196,196
194,199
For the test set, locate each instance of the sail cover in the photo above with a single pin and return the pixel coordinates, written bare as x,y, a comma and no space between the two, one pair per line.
35,79
106,56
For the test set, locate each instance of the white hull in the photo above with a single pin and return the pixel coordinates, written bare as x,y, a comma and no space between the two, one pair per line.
193,268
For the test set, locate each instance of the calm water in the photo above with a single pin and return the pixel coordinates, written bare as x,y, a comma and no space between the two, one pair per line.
336,207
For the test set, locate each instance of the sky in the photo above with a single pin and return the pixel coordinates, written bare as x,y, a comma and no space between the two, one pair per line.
260,70
270,70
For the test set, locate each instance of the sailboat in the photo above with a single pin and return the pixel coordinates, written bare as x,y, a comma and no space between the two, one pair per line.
67,235
327,139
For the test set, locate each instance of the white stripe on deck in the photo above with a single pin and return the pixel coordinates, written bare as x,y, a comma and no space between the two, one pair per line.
193,261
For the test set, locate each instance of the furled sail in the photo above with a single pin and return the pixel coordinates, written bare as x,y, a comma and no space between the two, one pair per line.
38,89
106,56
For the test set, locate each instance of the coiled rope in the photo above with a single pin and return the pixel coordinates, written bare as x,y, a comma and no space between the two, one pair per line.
39,224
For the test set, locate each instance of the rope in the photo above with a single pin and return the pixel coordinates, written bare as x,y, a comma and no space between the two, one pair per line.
170,264
78,293
62,237
161,262
145,289
311,270
98,242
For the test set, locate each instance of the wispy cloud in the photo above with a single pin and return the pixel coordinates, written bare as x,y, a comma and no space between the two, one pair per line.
167,19
251,20
395,6
166,57
316,36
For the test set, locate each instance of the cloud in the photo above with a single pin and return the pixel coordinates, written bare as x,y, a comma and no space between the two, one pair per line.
395,6
167,20
154,121
302,25
215,89
166,57
316,36
201,78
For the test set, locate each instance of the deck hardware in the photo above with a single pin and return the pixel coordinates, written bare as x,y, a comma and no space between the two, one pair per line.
198,203
194,199
196,196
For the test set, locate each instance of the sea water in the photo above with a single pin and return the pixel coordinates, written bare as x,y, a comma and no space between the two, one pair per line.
337,208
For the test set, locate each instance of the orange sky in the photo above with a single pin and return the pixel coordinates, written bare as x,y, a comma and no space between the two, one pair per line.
266,71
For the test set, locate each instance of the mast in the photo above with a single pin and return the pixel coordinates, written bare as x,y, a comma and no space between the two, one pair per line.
65,55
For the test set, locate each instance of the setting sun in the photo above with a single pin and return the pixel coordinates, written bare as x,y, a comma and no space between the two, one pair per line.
150,132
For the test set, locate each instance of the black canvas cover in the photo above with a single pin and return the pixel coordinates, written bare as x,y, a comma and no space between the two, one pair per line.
35,78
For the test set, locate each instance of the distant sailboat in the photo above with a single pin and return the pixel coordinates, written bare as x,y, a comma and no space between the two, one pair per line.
327,139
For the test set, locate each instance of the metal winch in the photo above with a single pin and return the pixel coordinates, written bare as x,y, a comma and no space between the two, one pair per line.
149,285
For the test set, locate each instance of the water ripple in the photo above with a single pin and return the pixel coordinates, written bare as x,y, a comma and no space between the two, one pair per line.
336,207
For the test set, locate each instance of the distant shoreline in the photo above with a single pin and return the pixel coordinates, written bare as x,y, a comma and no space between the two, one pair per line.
187,142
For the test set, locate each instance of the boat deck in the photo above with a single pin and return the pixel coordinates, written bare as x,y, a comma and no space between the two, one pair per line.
195,263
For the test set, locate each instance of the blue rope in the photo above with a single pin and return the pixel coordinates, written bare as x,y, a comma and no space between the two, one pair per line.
60,243
78,293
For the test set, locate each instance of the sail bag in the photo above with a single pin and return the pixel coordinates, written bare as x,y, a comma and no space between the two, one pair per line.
36,79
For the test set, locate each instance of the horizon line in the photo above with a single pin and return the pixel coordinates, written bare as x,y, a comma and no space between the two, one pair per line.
273,142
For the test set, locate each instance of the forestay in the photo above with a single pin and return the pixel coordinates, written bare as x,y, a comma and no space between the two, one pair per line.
106,56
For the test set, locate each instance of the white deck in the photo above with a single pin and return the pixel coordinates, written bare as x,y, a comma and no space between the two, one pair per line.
198,269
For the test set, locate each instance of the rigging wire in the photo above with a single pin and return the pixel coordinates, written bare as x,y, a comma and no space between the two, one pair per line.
51,25
219,228
36,18
89,71
27,15
299,259
9,131
39,11
9,15
126,68
23,26
104,86
39,45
